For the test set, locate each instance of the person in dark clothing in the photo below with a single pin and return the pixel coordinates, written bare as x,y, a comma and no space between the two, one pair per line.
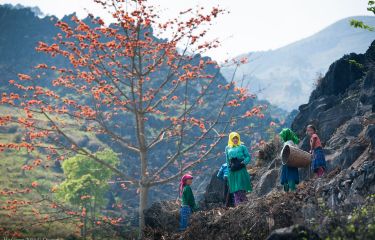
223,175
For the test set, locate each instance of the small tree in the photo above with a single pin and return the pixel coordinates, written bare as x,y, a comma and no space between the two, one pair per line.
137,91
86,184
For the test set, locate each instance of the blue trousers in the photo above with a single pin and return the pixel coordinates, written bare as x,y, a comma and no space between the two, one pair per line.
185,212
319,159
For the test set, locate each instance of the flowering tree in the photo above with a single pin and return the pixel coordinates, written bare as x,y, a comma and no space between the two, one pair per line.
140,92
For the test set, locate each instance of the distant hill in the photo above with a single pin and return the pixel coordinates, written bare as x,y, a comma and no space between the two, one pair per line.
286,75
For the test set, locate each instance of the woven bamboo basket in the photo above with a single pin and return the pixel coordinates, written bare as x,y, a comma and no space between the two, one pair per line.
295,157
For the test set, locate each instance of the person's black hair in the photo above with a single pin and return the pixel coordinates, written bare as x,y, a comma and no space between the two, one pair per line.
312,127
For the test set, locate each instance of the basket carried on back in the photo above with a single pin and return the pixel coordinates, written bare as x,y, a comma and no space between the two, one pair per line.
295,157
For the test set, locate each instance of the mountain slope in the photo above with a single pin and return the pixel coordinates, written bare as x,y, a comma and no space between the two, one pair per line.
287,75
339,205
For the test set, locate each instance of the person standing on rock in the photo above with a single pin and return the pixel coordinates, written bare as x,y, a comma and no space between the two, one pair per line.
237,157
319,161
289,175
187,201
223,175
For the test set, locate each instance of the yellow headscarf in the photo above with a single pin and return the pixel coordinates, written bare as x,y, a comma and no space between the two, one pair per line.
230,140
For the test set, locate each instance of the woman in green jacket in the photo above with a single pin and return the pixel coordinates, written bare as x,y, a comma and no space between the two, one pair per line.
237,157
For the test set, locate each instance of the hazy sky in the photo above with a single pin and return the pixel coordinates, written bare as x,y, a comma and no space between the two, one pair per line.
252,24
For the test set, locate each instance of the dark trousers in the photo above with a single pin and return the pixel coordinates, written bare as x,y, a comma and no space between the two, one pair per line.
228,197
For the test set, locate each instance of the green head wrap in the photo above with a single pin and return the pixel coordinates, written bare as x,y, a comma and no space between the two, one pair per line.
288,135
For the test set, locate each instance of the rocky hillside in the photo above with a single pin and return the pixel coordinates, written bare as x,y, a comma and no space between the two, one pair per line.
341,205
287,75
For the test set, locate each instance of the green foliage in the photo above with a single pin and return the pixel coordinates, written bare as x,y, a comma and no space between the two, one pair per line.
86,177
371,6
355,63
355,224
361,24
80,165
86,184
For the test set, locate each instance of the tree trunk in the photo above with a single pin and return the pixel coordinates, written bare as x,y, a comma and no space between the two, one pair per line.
93,219
85,223
144,183
143,197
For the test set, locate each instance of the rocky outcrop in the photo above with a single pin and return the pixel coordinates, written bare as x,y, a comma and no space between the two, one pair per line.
342,108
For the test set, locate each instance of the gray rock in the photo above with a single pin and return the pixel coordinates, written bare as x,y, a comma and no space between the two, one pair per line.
309,211
214,194
163,215
267,182
354,129
349,155
358,183
347,183
354,199
370,79
333,118
370,135
295,232
276,163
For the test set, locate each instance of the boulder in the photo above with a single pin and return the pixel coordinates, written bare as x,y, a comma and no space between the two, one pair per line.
349,155
354,129
214,194
163,216
267,182
359,182
333,118
295,232
275,164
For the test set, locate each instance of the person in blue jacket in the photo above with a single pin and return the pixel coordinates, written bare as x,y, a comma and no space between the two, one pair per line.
223,175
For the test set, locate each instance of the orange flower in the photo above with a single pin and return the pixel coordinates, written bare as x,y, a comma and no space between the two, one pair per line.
83,213
54,189
24,77
34,184
244,60
41,66
37,162
85,197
